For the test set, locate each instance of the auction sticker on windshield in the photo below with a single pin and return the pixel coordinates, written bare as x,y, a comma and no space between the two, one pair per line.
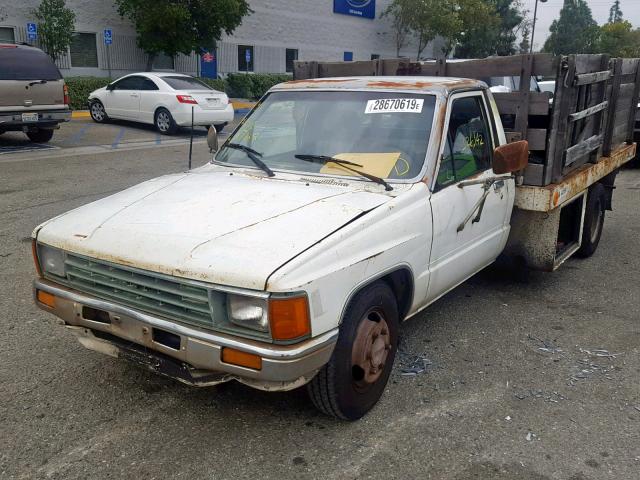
394,105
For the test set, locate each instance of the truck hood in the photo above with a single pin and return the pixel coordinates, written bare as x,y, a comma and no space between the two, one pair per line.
209,225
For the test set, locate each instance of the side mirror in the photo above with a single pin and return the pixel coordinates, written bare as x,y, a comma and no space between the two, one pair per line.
511,157
212,139
110,87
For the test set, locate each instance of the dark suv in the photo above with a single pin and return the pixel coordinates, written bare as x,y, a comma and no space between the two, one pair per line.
33,95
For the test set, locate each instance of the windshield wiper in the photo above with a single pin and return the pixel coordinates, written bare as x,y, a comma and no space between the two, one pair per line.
253,155
323,159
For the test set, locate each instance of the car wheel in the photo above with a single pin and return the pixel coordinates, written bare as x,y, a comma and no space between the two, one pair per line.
164,122
219,128
40,135
98,113
593,221
354,379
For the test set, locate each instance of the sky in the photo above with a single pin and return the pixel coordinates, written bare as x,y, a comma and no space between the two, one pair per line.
549,11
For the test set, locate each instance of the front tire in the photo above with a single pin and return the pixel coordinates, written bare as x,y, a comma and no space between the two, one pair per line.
354,379
98,112
40,135
164,122
593,221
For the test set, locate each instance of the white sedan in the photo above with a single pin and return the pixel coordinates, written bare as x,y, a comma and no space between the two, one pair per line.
165,100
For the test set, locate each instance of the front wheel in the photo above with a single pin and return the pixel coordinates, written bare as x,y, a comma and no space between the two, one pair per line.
354,379
40,135
98,112
593,221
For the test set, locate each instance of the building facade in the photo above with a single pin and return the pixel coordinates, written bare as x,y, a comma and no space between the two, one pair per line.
268,40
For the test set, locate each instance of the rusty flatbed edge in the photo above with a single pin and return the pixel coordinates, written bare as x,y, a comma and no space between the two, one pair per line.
545,199
421,84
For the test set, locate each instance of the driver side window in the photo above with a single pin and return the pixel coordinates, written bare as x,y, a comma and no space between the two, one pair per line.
468,148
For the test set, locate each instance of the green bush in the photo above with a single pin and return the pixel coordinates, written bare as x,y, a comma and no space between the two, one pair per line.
236,85
253,86
262,82
215,83
81,87
239,85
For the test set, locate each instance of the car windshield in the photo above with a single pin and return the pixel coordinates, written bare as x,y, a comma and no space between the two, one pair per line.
185,83
385,134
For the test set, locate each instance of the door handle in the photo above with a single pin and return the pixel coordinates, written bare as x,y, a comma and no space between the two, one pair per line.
134,94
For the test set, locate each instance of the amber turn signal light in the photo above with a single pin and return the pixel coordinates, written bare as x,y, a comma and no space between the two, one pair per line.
289,318
46,299
242,359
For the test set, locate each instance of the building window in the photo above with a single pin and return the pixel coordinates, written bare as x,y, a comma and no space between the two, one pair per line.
162,61
375,56
83,50
245,58
7,35
348,56
292,56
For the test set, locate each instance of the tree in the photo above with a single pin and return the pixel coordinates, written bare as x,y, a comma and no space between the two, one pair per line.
491,28
432,18
618,39
525,43
399,12
575,31
181,26
55,27
615,13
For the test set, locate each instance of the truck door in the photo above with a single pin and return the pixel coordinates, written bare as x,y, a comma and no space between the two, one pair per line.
468,234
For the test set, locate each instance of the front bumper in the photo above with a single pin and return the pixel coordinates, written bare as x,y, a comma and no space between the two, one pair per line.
197,359
202,117
45,118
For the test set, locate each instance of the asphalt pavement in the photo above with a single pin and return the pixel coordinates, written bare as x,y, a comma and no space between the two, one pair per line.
497,380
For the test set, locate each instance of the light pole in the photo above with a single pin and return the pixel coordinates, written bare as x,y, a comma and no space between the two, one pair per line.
533,28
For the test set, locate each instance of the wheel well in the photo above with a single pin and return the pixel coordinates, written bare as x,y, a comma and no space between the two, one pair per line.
157,110
401,283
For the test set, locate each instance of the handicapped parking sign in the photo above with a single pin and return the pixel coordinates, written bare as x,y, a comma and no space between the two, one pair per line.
108,36
32,31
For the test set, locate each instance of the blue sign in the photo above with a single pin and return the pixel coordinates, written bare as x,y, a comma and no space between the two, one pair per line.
247,56
32,31
358,8
208,65
348,56
108,36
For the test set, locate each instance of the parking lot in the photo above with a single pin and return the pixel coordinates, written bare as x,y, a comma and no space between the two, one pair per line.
499,379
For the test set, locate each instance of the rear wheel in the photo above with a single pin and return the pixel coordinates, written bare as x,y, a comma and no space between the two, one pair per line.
40,135
593,220
98,113
354,379
164,122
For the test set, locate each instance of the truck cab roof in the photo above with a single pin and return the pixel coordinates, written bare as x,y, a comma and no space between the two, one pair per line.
431,85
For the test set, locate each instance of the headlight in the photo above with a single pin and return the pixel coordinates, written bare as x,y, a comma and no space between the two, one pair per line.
286,318
248,312
51,260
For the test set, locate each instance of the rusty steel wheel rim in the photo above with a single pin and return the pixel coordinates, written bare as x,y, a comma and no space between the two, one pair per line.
370,349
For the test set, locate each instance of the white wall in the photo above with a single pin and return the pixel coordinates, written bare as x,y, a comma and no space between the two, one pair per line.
307,25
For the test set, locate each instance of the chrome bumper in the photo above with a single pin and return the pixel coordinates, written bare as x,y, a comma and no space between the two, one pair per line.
197,360
44,117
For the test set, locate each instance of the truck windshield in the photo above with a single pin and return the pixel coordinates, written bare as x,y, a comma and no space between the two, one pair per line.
385,133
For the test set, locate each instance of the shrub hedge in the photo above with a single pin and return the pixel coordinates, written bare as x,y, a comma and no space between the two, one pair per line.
236,85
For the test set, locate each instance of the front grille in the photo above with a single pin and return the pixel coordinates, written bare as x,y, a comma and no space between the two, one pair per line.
141,290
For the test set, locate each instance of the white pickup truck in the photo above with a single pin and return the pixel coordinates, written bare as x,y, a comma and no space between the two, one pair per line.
337,209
